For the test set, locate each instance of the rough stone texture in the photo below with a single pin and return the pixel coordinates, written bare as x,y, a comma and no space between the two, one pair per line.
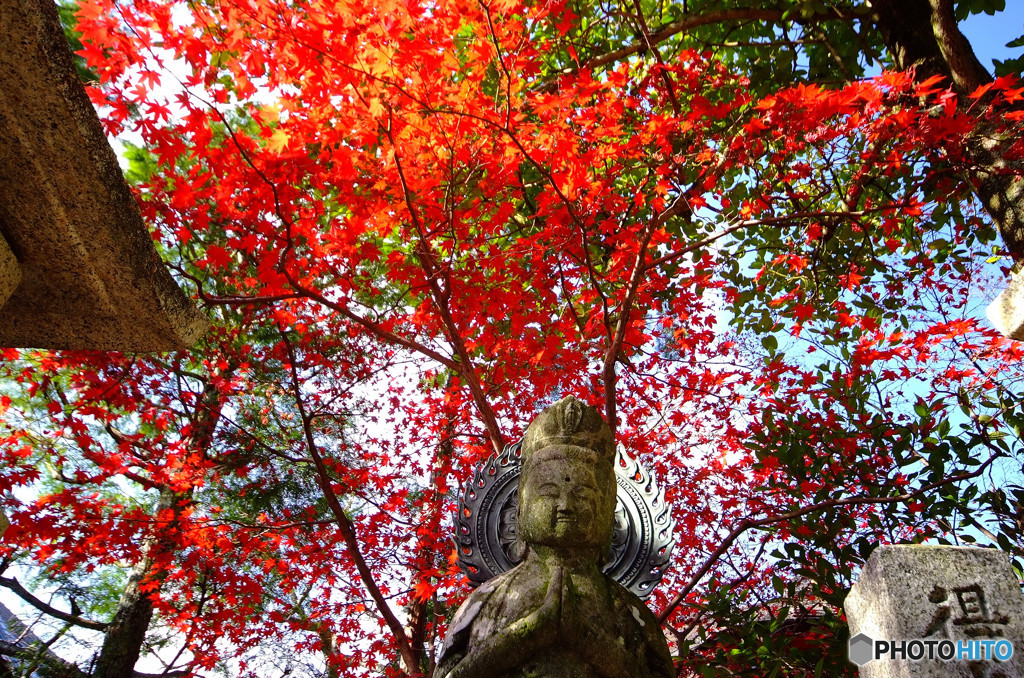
91,277
938,592
10,272
556,615
1006,312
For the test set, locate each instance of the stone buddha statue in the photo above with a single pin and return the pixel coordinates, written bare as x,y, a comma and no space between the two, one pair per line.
556,615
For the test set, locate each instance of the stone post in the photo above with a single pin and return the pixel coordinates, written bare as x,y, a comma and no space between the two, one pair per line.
1006,312
941,598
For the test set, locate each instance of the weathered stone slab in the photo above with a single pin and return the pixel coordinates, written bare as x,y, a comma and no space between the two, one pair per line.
10,272
1006,312
934,594
90,275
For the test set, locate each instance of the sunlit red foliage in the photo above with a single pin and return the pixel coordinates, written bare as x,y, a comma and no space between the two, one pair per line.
413,233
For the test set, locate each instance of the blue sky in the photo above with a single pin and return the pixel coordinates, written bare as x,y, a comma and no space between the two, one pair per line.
989,34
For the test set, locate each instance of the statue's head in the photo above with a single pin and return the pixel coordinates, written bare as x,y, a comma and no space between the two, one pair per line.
567,487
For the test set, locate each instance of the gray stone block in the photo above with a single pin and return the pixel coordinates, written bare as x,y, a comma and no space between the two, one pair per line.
936,593
1006,312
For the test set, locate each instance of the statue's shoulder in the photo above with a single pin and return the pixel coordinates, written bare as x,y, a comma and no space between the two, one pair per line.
462,624
628,603
627,600
474,602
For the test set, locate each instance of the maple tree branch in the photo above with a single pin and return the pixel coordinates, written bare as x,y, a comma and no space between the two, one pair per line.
652,48
612,354
211,300
383,511
186,643
497,49
606,321
636,277
684,25
568,300
278,210
545,172
465,367
99,458
748,223
345,526
373,327
243,301
26,595
748,524
366,323
263,528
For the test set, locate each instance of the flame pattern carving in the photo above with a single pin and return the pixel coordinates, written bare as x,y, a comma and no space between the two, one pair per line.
485,529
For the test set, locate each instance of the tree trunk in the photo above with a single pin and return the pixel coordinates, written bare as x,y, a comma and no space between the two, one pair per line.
123,641
421,612
328,649
126,634
1000,187
922,34
906,30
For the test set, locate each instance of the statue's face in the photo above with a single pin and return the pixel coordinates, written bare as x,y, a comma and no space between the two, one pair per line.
562,505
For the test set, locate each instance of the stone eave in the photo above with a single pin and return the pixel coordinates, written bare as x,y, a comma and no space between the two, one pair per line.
87,275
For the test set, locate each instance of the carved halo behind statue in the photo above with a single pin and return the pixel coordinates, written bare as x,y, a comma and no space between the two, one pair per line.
485,523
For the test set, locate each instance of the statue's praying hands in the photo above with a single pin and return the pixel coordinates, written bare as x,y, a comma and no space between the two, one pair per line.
556,615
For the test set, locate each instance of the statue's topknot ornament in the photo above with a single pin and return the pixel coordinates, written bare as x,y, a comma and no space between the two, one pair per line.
570,422
485,523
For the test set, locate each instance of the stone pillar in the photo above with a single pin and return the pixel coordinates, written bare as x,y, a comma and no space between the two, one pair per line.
934,594
1006,312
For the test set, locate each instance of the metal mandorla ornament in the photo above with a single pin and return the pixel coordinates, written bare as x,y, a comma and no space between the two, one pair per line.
485,523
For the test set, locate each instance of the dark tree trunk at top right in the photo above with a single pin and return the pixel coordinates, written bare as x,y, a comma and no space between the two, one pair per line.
922,34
